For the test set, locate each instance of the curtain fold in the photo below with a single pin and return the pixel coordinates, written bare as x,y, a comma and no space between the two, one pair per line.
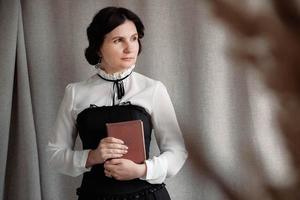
8,41
22,176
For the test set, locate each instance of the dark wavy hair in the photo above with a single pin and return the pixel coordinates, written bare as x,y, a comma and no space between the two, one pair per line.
104,22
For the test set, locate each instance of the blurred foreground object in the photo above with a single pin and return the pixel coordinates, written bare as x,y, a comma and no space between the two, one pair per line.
268,40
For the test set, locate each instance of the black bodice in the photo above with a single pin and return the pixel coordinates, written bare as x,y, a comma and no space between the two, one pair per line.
91,126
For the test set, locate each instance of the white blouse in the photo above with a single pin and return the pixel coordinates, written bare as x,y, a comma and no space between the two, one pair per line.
139,90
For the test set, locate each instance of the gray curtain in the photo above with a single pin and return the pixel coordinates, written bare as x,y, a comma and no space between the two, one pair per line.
221,108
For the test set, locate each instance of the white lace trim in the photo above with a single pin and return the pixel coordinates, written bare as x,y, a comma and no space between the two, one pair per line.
114,76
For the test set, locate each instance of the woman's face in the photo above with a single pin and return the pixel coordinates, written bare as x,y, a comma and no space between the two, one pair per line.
120,48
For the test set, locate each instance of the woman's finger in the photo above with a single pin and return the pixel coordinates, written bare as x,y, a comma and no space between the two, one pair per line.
110,156
116,151
107,173
112,143
112,140
116,146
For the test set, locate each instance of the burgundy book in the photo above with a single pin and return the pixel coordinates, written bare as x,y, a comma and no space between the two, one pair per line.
132,133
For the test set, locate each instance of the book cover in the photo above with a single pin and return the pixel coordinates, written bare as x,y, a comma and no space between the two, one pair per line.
132,133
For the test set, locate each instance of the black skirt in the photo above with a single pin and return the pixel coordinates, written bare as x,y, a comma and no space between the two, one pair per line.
153,192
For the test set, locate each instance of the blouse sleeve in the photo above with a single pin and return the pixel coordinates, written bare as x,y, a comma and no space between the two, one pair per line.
169,139
61,154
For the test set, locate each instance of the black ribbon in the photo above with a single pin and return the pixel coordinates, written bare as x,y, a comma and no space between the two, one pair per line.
119,84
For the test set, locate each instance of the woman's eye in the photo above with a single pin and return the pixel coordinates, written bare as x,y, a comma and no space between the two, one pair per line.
135,38
117,41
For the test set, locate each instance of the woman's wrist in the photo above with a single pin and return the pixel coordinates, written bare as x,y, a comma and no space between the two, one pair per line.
90,160
142,170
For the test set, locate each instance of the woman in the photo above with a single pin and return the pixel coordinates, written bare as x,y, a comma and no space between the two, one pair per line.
116,93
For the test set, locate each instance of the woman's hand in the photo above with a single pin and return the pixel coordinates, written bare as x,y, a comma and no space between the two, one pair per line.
124,169
108,148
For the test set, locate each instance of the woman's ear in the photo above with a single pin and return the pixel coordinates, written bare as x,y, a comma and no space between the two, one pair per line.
100,56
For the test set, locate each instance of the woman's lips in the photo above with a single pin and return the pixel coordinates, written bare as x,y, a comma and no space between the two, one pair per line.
127,58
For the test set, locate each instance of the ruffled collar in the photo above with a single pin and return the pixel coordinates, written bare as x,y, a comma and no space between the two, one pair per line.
114,76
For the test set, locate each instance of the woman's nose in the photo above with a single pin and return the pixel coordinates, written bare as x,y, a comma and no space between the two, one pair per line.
128,47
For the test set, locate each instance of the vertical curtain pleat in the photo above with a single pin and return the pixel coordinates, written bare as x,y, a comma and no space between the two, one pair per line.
22,174
8,41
